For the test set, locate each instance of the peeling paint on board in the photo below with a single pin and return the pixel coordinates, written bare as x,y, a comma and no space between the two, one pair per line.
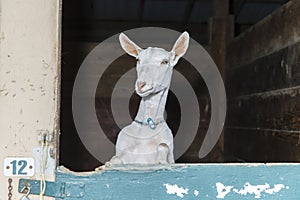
174,189
222,190
248,189
196,193
182,181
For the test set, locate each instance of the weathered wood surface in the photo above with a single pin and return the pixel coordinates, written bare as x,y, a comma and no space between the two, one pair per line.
234,182
221,30
275,71
262,145
279,109
263,88
278,30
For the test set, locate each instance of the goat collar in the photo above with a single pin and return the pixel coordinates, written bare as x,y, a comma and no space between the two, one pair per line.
150,123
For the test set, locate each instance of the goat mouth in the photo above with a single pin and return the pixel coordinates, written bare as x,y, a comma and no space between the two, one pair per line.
144,91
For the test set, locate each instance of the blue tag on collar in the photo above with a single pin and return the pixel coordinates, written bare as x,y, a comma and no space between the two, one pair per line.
151,123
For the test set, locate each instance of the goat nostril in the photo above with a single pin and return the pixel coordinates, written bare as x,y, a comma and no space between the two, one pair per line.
140,85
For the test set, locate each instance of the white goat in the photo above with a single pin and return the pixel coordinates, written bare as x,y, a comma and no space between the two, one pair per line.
148,139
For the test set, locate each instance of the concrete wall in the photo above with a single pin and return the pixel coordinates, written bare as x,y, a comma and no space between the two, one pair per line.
29,81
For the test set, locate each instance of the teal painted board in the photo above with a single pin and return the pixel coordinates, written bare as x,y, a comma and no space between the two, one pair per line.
220,181
54,189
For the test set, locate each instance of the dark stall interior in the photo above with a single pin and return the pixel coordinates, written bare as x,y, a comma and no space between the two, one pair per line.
254,43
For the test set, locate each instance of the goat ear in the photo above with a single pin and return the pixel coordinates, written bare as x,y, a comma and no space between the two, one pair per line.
180,47
129,47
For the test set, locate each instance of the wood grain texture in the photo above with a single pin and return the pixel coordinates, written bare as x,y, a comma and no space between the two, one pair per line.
278,30
263,88
275,71
262,145
278,110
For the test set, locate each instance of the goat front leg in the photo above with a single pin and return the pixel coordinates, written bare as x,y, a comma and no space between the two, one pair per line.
115,160
162,153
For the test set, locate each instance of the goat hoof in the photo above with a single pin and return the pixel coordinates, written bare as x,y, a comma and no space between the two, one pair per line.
100,168
107,164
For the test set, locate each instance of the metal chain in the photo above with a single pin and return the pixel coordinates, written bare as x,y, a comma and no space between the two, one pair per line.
10,187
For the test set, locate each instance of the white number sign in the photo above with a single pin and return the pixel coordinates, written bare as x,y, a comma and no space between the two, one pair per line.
18,166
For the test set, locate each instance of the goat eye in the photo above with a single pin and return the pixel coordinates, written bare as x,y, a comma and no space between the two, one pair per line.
138,60
164,62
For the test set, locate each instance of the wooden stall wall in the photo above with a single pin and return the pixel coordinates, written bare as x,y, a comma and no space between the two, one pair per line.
263,89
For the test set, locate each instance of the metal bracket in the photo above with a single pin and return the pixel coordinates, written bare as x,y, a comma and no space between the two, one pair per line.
45,135
54,189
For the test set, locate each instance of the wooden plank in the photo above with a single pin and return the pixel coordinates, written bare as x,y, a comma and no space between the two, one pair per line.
272,110
263,89
218,42
235,182
221,31
257,145
278,30
275,71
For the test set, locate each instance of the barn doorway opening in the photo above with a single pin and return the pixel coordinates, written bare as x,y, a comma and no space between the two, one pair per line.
215,26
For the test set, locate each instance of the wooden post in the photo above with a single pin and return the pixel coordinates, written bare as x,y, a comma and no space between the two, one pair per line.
29,91
221,30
